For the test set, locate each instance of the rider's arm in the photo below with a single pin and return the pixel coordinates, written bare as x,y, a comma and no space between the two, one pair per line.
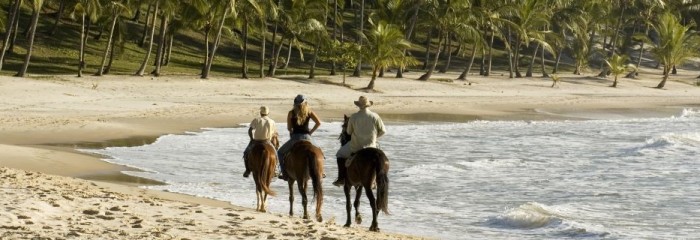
317,122
289,122
380,127
250,133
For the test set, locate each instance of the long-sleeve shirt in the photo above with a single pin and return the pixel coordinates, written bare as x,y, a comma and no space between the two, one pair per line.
365,127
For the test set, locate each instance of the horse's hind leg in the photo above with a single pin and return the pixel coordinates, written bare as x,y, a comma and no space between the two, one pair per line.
291,197
373,203
348,206
358,216
263,207
304,200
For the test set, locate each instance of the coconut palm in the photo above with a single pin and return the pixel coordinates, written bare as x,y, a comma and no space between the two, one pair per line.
89,11
154,17
618,65
229,8
115,9
9,28
36,6
384,48
676,42
298,19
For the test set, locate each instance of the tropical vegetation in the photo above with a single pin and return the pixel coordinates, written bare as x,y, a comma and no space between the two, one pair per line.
315,37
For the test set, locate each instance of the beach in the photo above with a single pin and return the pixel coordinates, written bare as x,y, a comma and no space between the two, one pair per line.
43,119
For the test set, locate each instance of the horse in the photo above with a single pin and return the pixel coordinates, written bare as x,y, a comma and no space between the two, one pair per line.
368,165
305,161
262,160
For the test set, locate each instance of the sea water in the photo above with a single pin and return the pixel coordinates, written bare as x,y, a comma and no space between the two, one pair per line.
598,179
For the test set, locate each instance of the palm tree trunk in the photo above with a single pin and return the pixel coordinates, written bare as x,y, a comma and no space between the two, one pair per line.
276,58
207,31
32,33
216,43
370,86
488,69
142,69
427,50
615,81
81,54
510,55
427,75
100,71
31,27
466,71
449,54
313,63
170,49
146,24
289,54
634,73
263,28
8,30
544,70
13,39
482,64
161,45
412,25
244,65
57,20
532,61
516,63
663,81
358,68
334,36
111,60
606,71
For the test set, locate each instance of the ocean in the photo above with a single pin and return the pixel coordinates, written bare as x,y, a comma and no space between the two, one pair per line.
597,179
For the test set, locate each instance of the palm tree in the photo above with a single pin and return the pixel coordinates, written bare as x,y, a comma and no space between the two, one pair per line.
154,17
9,28
115,8
384,48
36,7
89,11
675,43
229,7
531,18
618,65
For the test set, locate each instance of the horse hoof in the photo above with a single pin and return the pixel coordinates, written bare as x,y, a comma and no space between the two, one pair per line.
358,220
375,229
320,219
346,225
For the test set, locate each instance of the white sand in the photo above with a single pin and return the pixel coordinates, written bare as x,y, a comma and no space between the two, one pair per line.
42,117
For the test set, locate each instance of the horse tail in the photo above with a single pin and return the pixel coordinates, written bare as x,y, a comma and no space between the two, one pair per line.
381,165
316,173
265,176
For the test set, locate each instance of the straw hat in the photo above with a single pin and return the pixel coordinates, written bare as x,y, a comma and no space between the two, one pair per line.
264,110
363,102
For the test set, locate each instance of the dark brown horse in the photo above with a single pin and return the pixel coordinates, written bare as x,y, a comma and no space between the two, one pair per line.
305,161
368,165
262,160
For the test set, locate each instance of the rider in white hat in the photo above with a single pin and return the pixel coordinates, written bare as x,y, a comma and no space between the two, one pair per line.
364,128
261,130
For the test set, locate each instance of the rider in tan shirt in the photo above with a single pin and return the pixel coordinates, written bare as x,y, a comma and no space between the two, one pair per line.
261,129
364,127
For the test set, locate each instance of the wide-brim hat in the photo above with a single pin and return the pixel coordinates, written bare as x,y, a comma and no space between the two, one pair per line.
363,102
264,110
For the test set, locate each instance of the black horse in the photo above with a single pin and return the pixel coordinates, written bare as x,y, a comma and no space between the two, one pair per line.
368,165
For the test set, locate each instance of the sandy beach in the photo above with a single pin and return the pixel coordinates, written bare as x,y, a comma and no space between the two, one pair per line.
44,118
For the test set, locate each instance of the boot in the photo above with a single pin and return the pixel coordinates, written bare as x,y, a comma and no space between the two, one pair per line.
246,173
282,174
342,172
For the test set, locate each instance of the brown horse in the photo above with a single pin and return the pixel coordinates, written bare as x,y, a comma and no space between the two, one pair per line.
368,165
262,160
305,161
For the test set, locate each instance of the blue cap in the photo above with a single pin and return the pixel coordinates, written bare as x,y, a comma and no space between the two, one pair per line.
299,99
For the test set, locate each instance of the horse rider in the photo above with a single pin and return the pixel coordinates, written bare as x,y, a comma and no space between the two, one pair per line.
364,127
298,127
261,130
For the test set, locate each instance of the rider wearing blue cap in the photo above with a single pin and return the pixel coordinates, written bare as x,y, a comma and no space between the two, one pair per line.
298,127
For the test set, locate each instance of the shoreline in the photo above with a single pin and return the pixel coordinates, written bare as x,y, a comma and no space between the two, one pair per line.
44,134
